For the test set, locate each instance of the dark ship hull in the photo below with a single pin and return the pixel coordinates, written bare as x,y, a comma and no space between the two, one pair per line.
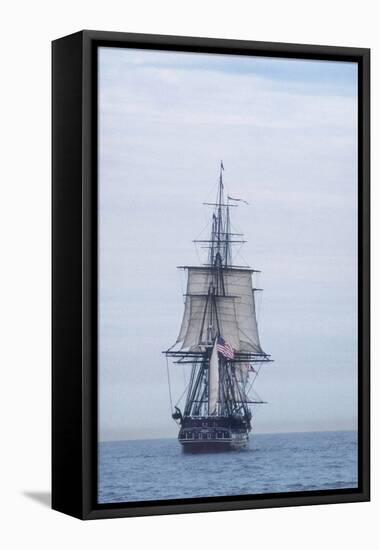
210,434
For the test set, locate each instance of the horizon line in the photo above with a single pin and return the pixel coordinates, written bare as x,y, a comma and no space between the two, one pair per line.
256,433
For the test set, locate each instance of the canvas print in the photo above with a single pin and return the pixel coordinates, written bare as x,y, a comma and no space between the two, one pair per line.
227,270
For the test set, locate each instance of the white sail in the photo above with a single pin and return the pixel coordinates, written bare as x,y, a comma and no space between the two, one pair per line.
213,381
197,284
196,331
238,283
199,329
227,319
236,318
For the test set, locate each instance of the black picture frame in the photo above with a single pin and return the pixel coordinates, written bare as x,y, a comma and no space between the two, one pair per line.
74,273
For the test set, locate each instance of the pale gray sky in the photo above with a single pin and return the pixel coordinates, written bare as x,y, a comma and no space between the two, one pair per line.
287,133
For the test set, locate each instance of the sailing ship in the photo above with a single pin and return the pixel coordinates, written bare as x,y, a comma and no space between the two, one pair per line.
219,339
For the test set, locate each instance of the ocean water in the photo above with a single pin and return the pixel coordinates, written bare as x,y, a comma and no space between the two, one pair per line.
273,463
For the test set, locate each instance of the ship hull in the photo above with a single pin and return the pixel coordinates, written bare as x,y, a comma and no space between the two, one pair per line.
212,446
212,434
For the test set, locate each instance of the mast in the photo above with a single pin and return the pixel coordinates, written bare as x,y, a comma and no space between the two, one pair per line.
216,261
219,214
220,237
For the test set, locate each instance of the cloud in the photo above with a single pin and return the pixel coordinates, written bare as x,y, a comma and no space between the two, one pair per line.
286,131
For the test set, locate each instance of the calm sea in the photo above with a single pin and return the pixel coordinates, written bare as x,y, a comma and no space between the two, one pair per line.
273,463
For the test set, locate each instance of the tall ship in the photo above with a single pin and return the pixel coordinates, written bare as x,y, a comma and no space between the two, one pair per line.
218,341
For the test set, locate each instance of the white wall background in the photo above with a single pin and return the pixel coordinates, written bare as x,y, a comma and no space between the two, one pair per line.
27,29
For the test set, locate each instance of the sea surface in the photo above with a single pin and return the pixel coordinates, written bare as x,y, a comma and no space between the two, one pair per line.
157,469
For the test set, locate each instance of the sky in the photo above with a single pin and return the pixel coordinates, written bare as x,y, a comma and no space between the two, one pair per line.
286,131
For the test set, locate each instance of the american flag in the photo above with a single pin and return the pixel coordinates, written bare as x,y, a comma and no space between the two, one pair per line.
225,349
